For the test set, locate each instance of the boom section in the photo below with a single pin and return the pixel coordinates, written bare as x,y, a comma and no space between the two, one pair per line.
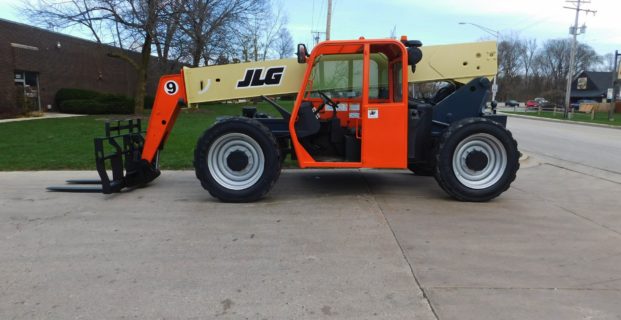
455,62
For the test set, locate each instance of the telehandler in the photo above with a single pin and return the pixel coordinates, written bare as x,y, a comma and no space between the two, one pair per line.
353,110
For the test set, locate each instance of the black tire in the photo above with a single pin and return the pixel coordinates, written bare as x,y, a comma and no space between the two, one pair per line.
483,153
237,160
424,170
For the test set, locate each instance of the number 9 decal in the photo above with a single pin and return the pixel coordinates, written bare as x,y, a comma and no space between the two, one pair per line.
171,87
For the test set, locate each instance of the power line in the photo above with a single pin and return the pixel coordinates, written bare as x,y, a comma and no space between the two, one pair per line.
313,16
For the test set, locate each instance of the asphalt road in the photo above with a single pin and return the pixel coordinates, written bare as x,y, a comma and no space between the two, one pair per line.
325,244
574,145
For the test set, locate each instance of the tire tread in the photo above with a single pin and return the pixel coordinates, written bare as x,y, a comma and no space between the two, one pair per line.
451,189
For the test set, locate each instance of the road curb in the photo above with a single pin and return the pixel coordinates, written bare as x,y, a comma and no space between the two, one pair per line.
562,121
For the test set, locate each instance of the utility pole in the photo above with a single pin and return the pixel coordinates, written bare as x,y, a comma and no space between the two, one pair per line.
616,72
573,30
317,36
329,20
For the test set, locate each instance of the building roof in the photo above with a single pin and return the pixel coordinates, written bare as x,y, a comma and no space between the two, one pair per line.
597,84
62,35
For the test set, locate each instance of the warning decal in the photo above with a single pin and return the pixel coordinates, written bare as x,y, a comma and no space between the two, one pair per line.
373,114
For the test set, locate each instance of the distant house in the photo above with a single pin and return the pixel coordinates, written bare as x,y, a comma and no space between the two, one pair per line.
35,63
591,85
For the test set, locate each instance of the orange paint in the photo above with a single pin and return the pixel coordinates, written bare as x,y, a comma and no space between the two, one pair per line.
170,90
384,122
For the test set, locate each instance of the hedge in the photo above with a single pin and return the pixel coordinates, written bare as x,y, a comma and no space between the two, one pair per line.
74,94
83,107
106,104
92,102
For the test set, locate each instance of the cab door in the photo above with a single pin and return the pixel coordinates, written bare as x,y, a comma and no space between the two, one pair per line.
383,110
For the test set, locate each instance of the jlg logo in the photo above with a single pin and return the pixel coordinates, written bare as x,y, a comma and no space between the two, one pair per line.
253,78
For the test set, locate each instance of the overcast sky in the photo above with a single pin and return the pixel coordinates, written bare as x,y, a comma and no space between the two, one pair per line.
436,21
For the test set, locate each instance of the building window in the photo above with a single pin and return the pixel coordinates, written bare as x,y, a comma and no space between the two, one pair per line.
27,86
582,83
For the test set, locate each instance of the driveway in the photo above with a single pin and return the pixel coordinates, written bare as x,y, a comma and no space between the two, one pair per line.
325,244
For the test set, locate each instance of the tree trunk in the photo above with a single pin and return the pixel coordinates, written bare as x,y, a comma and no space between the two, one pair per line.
197,53
141,85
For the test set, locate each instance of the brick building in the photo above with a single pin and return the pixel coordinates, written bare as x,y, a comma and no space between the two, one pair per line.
36,63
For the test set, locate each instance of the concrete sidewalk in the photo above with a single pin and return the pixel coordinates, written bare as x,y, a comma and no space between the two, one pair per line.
325,244
526,116
46,115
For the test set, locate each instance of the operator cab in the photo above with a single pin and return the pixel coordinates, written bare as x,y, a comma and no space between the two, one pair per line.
352,105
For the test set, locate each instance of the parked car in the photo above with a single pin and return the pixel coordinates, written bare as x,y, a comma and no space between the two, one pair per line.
543,103
539,102
532,104
512,103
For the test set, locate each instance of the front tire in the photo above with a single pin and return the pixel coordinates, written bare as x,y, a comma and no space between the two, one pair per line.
237,160
477,159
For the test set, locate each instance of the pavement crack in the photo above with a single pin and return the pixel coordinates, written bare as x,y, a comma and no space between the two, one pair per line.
522,288
584,173
381,210
602,282
589,220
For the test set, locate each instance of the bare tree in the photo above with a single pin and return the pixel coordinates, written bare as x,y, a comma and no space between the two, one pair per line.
276,21
510,65
262,37
527,69
553,59
132,23
207,24
284,44
608,63
55,15
527,56
167,36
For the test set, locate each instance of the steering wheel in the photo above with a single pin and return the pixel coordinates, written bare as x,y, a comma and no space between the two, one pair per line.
328,101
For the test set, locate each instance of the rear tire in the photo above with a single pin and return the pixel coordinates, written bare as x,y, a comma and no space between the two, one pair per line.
477,159
237,160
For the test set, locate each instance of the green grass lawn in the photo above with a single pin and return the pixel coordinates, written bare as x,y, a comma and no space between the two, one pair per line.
67,143
600,117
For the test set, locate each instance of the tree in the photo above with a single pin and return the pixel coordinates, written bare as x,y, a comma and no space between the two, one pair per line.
527,56
209,25
262,36
608,63
509,65
284,44
168,40
527,70
553,60
131,24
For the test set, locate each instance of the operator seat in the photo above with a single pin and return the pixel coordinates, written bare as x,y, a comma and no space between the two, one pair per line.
307,124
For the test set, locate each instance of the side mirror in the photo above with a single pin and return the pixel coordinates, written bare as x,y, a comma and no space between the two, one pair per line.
415,55
302,53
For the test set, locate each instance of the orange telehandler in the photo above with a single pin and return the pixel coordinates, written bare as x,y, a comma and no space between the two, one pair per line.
353,110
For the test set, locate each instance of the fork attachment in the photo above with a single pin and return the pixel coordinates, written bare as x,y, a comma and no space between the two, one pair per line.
125,140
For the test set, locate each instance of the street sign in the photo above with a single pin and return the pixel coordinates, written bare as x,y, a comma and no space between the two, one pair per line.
610,93
494,88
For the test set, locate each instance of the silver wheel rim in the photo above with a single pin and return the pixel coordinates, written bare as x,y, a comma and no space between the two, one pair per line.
219,168
496,155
